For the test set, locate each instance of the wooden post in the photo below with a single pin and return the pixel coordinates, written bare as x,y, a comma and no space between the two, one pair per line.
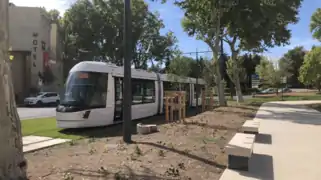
171,109
166,109
179,104
184,105
203,100
212,99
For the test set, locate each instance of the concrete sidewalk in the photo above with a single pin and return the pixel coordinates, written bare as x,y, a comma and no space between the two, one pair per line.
33,143
288,146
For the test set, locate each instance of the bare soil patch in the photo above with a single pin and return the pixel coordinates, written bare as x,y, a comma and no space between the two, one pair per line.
194,150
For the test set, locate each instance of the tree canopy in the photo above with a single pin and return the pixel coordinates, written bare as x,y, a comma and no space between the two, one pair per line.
290,64
310,73
269,74
251,25
315,24
94,30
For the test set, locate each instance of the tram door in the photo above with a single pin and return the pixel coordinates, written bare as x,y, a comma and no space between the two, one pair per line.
118,116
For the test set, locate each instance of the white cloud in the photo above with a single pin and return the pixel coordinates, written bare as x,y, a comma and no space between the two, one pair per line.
60,5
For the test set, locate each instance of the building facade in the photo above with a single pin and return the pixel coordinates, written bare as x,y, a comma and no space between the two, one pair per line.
35,45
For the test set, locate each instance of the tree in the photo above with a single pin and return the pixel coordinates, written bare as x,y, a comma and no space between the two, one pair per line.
269,74
202,19
254,26
54,15
101,35
239,72
290,64
182,66
12,162
315,24
249,63
310,73
246,25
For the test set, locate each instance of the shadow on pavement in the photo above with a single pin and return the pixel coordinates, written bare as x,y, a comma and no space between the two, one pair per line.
300,114
263,138
260,167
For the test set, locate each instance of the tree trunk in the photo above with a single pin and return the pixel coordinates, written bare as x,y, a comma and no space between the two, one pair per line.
219,82
238,90
239,95
12,162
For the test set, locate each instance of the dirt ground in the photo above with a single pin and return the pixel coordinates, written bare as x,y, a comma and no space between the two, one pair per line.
190,151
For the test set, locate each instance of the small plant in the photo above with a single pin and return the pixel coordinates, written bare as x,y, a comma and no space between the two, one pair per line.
181,166
133,157
91,140
92,150
119,176
105,149
68,176
172,171
170,145
138,151
72,143
186,151
103,171
161,153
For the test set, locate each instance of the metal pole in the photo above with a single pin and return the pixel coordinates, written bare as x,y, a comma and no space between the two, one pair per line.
127,101
198,72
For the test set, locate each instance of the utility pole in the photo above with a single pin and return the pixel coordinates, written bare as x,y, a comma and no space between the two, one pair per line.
198,72
127,101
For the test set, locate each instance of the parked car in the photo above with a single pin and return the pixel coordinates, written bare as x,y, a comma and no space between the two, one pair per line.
42,98
284,90
268,91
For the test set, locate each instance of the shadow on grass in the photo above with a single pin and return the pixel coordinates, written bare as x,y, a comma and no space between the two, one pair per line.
206,161
117,129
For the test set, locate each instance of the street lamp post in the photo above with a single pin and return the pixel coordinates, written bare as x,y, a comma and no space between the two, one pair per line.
127,98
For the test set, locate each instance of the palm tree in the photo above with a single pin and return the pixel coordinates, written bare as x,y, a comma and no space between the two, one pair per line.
315,24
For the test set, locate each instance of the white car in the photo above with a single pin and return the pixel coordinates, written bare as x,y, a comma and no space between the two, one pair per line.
42,98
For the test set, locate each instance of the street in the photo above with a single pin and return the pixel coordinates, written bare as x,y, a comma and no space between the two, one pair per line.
31,113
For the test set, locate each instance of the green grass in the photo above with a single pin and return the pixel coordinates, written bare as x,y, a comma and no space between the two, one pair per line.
260,100
45,127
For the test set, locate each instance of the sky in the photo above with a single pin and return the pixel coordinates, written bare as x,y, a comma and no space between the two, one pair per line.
172,15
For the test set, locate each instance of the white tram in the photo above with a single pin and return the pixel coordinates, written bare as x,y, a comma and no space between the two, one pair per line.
93,94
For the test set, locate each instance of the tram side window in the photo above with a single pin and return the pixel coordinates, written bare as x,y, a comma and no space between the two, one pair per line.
171,86
149,94
198,88
119,89
137,91
143,91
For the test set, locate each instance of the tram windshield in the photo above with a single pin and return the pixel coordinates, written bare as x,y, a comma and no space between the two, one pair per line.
85,89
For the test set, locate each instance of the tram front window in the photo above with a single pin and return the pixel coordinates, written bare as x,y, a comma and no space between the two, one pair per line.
85,90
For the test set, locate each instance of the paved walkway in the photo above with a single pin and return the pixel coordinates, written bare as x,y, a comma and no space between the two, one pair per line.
33,143
288,146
